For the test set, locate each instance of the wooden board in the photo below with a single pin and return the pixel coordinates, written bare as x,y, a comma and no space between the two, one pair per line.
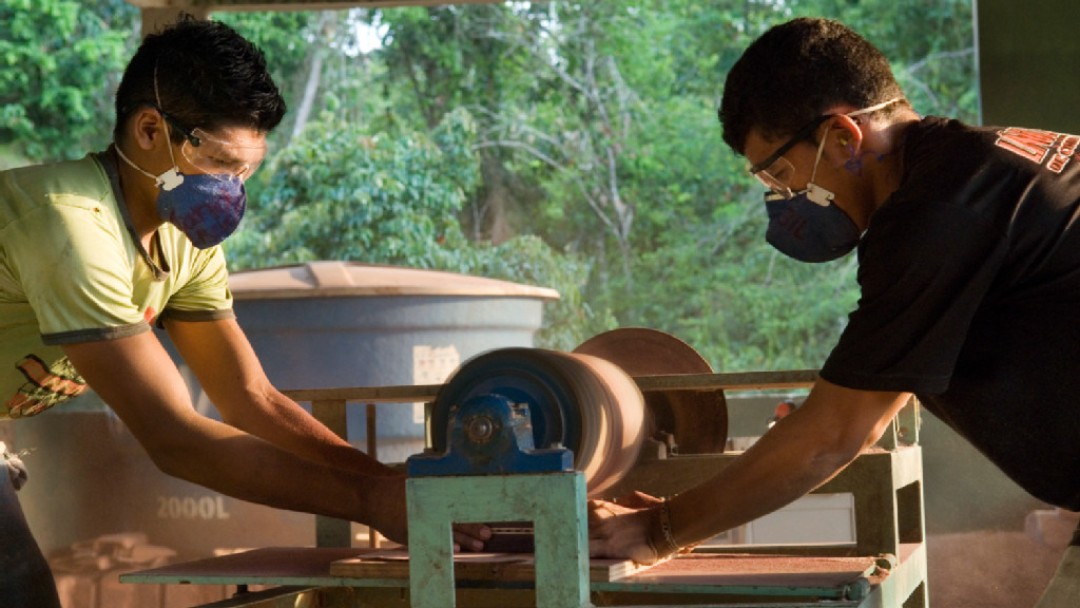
752,570
494,567
270,565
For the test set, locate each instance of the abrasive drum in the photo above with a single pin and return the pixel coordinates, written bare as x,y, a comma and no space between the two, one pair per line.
695,422
577,401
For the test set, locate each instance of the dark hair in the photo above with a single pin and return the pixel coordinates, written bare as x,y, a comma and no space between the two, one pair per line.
794,72
207,76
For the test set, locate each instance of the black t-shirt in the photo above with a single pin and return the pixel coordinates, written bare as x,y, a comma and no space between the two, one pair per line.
970,279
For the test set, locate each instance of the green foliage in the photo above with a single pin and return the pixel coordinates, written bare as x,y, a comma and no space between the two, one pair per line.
603,115
287,39
338,192
528,259
568,145
60,62
743,305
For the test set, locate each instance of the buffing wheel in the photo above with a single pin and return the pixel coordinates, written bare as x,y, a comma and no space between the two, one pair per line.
697,420
577,401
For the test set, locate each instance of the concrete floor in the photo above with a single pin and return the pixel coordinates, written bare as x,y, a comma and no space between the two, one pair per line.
998,568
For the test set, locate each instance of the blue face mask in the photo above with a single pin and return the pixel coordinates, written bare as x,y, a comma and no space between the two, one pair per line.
809,226
205,207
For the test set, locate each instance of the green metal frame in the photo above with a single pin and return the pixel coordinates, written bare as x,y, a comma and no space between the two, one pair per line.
554,502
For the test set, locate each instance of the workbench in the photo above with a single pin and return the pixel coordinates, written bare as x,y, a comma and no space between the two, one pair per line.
884,568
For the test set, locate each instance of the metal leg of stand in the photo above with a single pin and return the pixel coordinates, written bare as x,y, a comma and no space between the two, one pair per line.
554,502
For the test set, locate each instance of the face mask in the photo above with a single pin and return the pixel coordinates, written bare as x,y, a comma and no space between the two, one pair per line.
807,230
809,226
206,208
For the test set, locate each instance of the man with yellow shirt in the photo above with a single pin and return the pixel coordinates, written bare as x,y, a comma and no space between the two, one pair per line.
94,251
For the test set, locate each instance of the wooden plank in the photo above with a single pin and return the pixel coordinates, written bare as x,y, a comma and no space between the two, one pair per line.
270,565
485,567
735,381
330,531
369,394
758,570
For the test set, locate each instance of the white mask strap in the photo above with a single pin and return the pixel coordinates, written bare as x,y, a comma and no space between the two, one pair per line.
820,149
873,108
171,178
166,181
821,146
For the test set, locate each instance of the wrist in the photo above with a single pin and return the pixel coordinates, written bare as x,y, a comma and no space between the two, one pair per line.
662,536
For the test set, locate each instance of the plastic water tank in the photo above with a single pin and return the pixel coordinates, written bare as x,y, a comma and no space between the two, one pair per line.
340,324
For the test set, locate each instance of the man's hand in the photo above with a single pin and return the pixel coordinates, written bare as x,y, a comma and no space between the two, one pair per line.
390,517
470,537
626,528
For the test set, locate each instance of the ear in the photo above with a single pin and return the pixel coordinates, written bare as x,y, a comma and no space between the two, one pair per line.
147,128
847,133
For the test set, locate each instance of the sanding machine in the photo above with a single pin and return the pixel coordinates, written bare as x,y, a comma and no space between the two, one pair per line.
520,438
525,434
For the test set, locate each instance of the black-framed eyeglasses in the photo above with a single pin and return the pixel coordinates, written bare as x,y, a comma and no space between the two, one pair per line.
775,172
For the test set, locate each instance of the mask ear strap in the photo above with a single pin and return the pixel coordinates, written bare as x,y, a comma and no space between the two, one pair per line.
820,150
171,178
873,108
166,181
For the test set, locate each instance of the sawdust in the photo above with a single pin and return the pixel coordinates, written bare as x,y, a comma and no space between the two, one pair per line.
988,569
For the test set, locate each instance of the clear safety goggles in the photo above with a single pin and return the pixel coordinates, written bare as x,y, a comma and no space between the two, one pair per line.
217,156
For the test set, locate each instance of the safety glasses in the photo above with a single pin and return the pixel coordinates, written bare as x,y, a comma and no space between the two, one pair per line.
217,156
776,172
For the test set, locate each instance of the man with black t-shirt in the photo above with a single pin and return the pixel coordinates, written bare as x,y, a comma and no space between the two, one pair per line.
969,267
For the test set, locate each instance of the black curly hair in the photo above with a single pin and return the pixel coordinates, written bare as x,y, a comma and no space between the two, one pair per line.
207,76
797,70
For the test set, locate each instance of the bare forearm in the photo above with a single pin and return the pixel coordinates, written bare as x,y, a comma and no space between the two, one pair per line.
216,456
800,453
282,422
231,375
774,472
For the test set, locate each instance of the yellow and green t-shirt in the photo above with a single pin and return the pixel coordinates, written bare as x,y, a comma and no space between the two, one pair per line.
72,271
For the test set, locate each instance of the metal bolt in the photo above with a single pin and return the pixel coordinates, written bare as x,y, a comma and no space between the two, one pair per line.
480,429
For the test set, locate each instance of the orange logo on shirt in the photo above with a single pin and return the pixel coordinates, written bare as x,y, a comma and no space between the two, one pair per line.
1053,149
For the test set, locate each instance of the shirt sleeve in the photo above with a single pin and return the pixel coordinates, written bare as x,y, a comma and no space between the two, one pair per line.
204,294
75,272
924,270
